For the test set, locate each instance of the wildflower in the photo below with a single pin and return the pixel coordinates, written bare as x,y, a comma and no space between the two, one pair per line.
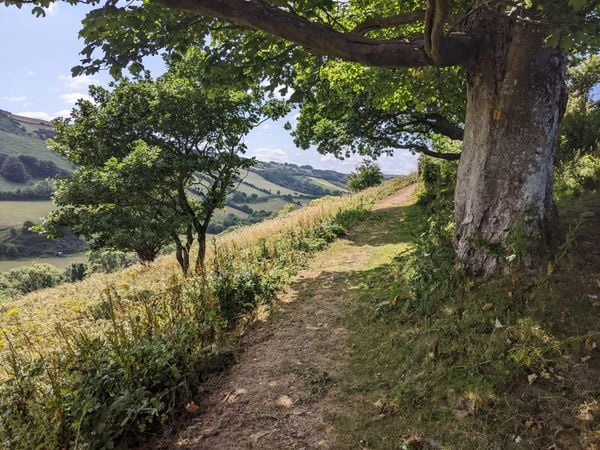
12,312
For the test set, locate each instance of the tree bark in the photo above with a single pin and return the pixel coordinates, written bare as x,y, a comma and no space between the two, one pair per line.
503,198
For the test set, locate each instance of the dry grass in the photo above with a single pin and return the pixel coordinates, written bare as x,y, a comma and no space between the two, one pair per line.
36,315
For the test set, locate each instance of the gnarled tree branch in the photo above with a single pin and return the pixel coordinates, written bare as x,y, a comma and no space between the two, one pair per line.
436,15
455,49
378,23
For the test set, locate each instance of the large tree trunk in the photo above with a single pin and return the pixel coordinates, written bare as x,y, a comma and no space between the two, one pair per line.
503,199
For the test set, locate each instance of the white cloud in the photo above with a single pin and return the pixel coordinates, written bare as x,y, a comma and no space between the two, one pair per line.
72,97
36,115
52,9
29,72
62,113
44,115
22,100
79,82
288,94
269,154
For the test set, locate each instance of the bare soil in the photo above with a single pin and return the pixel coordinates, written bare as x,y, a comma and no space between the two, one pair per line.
283,390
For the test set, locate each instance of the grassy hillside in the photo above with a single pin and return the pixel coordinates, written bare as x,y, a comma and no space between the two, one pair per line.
14,213
26,136
149,322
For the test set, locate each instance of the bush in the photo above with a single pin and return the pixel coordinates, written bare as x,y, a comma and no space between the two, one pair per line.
34,277
429,270
576,176
368,174
114,390
75,272
13,170
109,260
7,288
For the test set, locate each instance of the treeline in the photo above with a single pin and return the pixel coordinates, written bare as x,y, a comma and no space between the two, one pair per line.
291,180
24,168
39,191
23,242
332,176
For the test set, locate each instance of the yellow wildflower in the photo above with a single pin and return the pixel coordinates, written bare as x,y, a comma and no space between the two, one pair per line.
12,312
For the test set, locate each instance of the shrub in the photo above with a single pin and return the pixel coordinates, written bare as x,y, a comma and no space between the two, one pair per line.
368,174
33,277
13,170
109,260
75,272
429,270
576,176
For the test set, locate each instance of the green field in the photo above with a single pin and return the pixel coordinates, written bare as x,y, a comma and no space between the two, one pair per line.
274,204
326,184
249,190
61,263
12,144
261,183
14,213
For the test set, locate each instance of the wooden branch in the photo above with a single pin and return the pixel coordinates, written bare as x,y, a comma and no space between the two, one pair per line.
436,15
455,49
378,23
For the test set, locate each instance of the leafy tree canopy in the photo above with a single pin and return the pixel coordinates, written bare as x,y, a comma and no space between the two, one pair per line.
142,147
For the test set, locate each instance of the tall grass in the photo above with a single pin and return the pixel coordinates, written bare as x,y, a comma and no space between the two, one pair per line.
107,362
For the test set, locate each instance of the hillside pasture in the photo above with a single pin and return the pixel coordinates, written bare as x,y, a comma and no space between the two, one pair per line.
260,182
12,144
249,190
220,214
326,184
14,213
271,205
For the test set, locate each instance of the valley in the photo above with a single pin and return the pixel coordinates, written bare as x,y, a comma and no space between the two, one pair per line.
263,190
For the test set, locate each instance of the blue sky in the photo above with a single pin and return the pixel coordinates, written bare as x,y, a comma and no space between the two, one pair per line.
38,53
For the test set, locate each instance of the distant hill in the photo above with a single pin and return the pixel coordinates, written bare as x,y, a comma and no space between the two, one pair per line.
25,159
270,186
264,189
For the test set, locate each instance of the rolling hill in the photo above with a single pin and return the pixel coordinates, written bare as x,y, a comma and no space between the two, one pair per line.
25,193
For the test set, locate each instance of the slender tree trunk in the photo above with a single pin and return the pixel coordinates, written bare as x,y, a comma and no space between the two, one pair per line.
201,256
503,199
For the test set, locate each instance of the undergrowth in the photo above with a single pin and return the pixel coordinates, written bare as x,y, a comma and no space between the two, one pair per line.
128,364
455,363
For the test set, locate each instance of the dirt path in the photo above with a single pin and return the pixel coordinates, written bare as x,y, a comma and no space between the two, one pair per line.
282,391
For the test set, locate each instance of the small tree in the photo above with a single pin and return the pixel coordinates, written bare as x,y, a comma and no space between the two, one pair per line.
367,174
13,170
144,147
